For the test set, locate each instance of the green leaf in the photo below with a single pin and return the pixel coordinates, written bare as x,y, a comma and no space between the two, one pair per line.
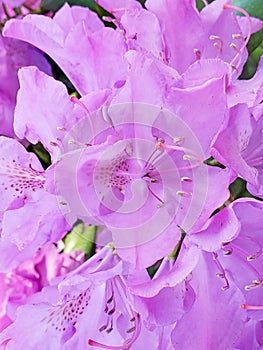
81,238
253,7
238,189
54,5
142,2
255,41
200,4
252,63
41,153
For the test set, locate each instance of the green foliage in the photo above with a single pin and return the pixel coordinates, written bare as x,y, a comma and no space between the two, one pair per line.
252,63
41,153
253,7
54,5
200,4
153,269
142,2
81,238
238,189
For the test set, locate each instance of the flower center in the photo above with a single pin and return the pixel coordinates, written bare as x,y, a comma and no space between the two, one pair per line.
20,179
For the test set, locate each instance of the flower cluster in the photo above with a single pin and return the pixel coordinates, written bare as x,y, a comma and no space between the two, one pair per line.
119,225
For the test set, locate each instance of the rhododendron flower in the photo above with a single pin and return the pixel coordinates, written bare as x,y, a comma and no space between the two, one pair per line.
214,33
157,102
243,135
215,45
93,297
125,162
217,266
23,193
31,276
85,70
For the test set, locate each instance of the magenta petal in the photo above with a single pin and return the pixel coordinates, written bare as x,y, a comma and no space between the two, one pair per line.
80,54
247,91
236,136
45,112
196,105
182,31
222,227
143,33
67,17
21,236
216,316
21,174
144,72
170,273
148,250
222,23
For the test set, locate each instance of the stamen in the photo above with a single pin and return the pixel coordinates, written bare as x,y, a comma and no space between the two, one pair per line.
188,157
54,144
106,116
183,194
127,344
186,179
150,157
233,63
228,251
251,307
255,284
197,54
109,19
252,257
159,199
178,139
255,266
219,44
81,104
181,149
120,9
233,46
61,128
237,36
221,273
77,143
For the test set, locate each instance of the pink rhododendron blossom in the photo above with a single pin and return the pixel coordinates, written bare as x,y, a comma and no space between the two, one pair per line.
58,116
215,46
31,276
23,193
144,160
95,297
206,321
122,154
214,33
229,270
183,32
243,135
72,49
